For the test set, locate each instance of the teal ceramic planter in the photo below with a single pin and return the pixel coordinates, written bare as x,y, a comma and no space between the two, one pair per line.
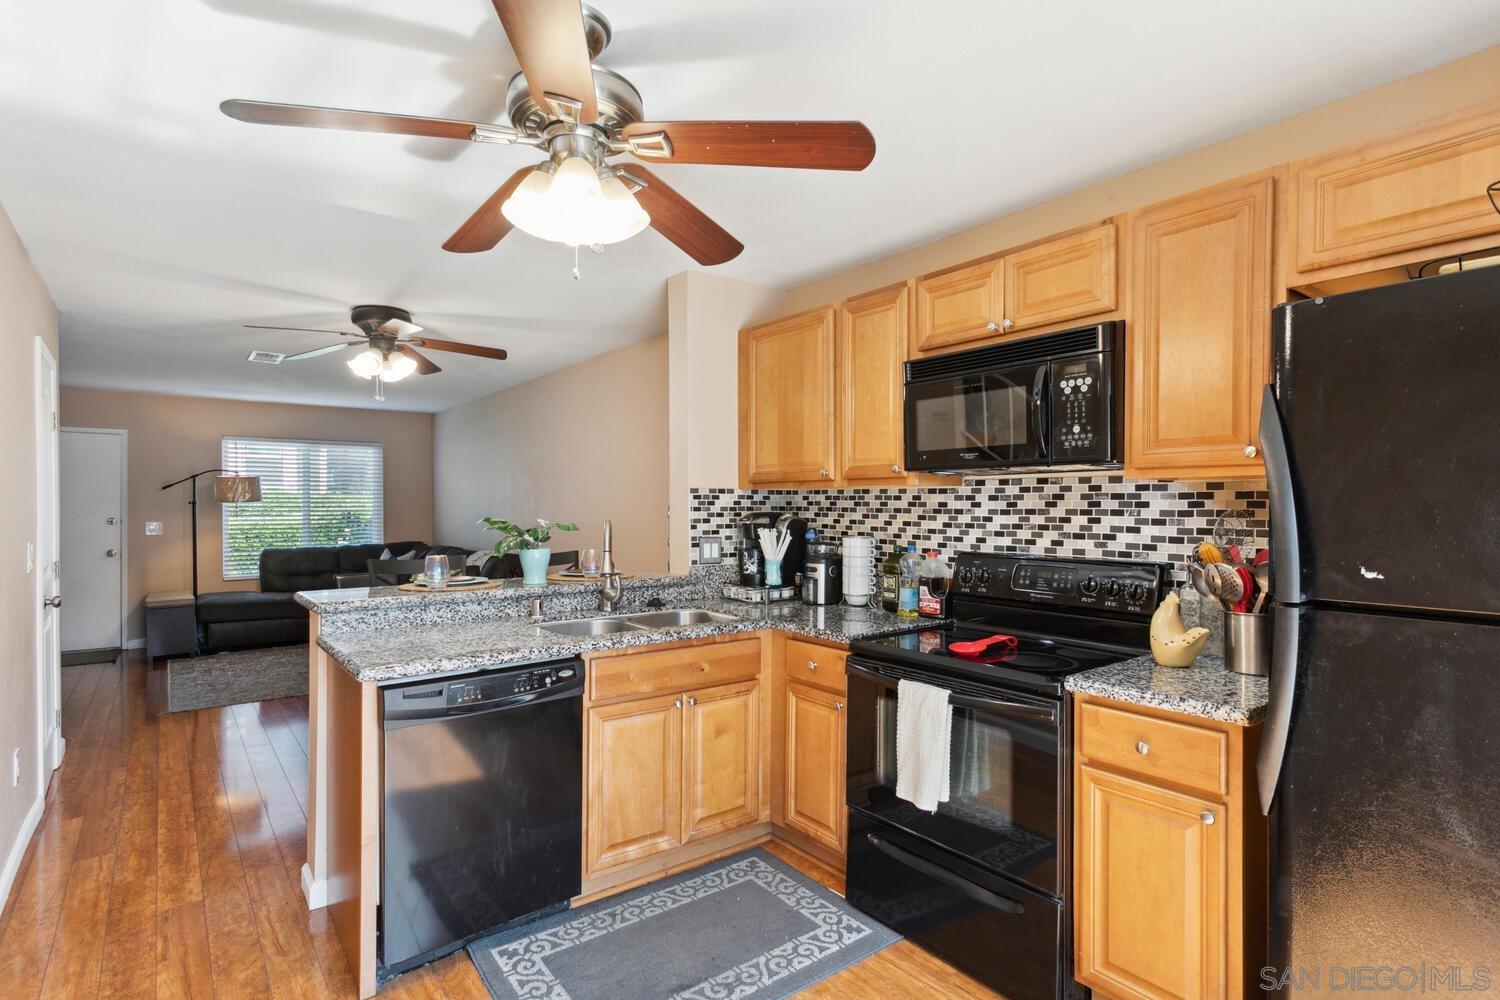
534,564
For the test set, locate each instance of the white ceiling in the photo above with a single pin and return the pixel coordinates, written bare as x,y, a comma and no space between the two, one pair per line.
161,226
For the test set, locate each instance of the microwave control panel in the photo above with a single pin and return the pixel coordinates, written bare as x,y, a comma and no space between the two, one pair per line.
1081,410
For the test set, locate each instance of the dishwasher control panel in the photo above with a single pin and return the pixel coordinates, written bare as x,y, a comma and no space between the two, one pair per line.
410,703
495,687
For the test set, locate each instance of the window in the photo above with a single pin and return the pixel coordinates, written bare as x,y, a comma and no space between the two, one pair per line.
311,493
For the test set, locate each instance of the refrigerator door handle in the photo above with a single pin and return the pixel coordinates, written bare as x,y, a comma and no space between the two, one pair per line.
1279,708
1286,561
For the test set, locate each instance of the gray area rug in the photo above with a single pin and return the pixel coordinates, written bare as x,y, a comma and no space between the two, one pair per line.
237,677
744,926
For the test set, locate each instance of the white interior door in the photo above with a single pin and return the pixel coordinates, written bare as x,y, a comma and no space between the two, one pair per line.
93,515
45,566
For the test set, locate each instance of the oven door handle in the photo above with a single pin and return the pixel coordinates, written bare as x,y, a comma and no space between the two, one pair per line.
963,700
934,871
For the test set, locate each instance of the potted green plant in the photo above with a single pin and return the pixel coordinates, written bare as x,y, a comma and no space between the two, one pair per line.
530,544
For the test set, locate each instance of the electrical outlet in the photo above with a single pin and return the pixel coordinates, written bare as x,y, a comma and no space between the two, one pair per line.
15,768
153,527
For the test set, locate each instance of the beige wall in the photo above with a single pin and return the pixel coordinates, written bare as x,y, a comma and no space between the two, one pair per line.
582,444
1364,116
704,316
29,315
172,436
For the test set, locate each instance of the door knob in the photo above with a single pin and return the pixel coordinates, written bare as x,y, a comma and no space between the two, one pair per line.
823,473
895,468
992,326
1208,818
677,703
1007,323
692,702
1142,747
838,706
52,602
812,664
111,553
1249,451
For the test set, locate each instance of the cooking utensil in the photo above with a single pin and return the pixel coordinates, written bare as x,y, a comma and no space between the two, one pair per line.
1010,642
1230,587
1247,588
1196,574
1262,557
1208,553
1262,585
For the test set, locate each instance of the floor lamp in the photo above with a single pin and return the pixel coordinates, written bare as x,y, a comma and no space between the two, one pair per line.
228,488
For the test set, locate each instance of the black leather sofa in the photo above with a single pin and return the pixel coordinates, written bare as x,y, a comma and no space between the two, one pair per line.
242,619
245,619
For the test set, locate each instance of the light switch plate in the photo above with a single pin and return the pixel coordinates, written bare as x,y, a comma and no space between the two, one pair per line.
153,527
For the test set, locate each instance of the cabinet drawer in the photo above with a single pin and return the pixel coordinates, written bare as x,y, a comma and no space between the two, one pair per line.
631,675
818,666
1162,749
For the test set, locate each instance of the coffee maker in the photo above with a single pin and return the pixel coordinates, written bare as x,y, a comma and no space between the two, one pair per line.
751,561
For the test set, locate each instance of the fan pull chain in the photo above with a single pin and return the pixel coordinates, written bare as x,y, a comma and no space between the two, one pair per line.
379,388
577,275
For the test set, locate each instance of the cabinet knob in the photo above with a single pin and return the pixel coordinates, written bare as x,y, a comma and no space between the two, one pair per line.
823,473
992,326
1249,451
1007,323
692,702
895,468
838,706
1142,747
812,664
1208,818
677,703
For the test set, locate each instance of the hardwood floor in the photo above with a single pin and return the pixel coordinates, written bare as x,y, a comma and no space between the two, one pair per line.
168,860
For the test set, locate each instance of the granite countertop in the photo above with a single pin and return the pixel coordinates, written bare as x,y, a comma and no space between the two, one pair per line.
399,653
364,598
1207,689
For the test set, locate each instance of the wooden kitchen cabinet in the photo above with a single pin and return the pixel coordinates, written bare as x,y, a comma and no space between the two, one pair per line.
873,337
675,744
1169,854
1056,280
1199,345
959,305
814,761
634,780
721,766
1418,194
787,413
1062,279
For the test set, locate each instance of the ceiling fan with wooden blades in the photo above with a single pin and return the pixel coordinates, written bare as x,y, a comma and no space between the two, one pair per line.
582,116
389,340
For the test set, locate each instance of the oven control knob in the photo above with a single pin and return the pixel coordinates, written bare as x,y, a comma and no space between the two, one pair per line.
1090,585
1112,588
1136,593
984,576
966,576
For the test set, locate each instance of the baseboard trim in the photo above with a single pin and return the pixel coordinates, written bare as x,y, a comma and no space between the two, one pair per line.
313,890
18,849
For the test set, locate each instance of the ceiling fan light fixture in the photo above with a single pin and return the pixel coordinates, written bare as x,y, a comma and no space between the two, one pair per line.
397,366
367,363
573,206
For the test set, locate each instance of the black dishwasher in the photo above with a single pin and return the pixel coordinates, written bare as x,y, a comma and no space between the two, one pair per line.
482,805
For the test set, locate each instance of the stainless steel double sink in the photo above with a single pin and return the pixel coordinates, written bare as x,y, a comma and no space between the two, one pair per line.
646,621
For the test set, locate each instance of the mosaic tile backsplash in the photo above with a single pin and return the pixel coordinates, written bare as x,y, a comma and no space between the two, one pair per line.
1095,517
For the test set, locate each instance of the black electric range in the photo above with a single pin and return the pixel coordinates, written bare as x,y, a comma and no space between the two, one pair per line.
984,880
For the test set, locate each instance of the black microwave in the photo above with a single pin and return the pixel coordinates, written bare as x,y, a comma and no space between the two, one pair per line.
1050,402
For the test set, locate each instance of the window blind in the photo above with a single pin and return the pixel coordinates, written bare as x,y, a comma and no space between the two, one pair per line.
311,493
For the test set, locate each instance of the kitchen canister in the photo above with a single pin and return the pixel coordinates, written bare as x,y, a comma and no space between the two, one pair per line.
1247,643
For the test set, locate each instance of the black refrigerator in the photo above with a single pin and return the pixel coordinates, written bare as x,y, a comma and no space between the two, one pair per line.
1380,761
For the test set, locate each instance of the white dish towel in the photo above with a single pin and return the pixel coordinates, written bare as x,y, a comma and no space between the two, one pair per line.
924,732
